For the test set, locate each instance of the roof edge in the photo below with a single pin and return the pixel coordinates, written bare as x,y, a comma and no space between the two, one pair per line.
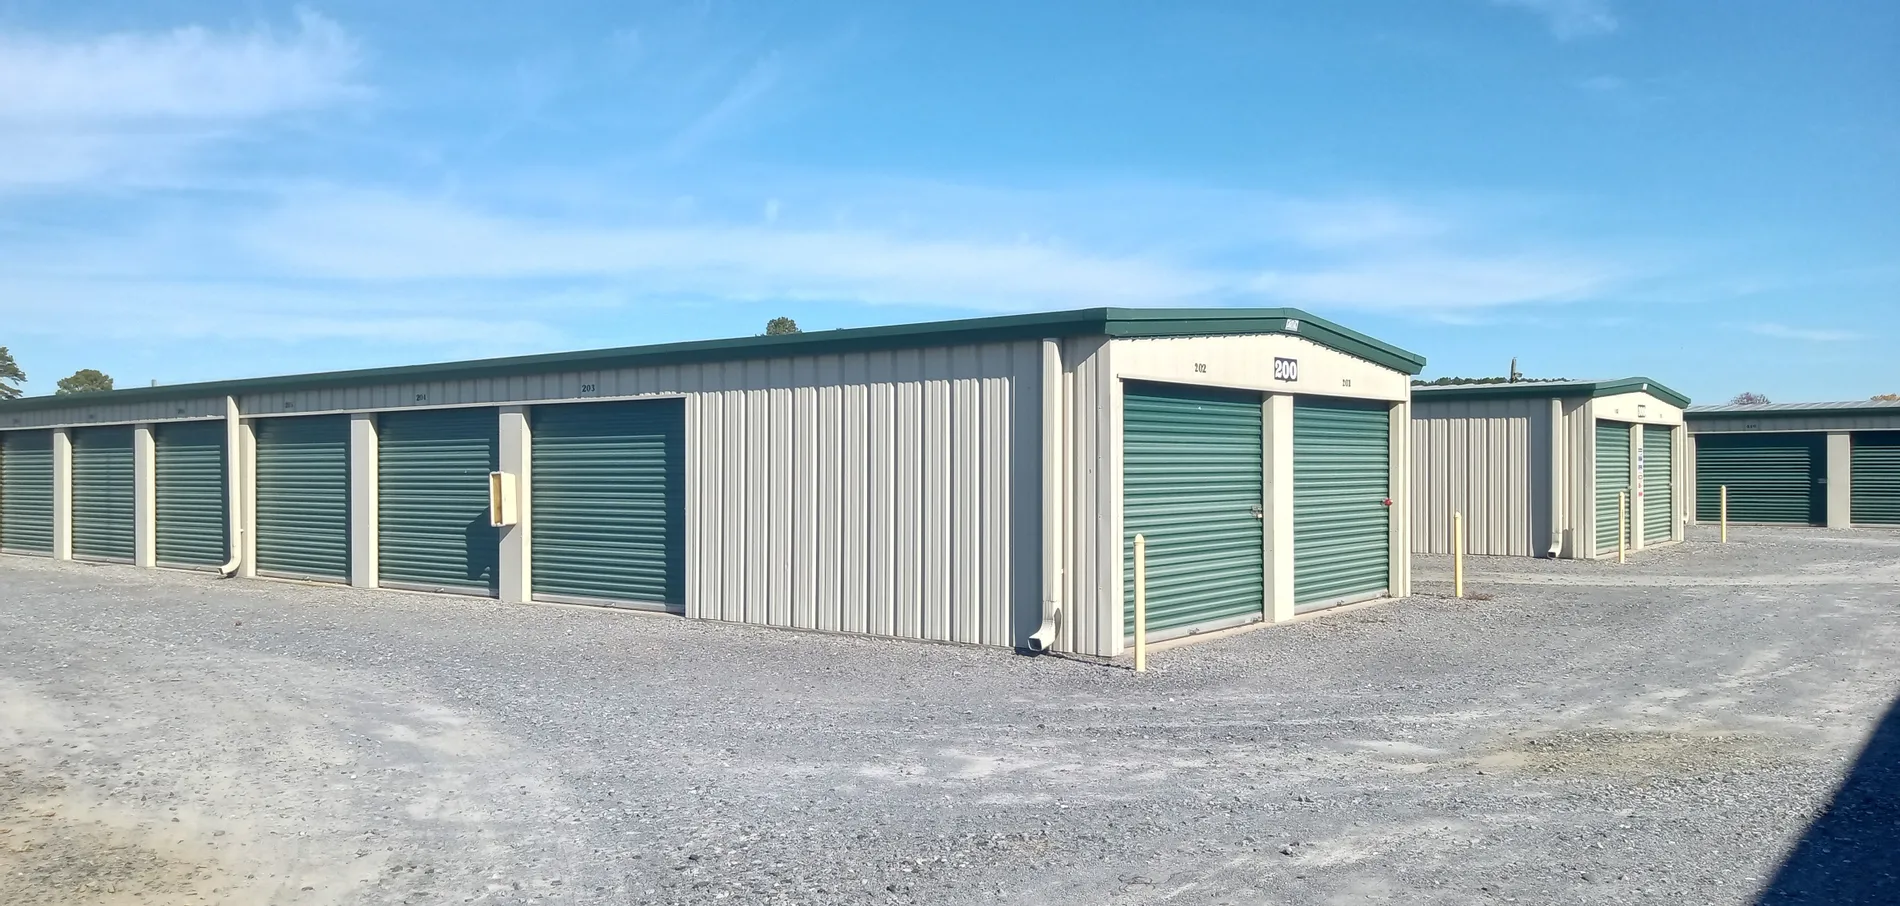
1558,389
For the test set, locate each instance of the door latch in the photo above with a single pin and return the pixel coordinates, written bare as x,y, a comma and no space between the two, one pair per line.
1257,512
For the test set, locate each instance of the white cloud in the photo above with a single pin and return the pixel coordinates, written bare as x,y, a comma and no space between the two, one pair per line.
1571,19
74,109
1441,282
1806,334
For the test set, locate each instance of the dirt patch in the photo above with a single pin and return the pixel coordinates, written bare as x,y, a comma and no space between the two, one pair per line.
1634,753
54,851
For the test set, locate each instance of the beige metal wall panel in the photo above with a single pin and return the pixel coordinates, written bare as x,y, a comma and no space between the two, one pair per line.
1731,424
1491,461
1637,407
1092,587
119,413
1579,484
866,493
1247,363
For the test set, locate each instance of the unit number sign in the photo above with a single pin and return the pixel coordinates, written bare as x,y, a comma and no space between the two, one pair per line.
1286,369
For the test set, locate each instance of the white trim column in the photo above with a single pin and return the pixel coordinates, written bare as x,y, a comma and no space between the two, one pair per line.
144,497
365,568
62,494
1840,479
247,480
1399,491
516,569
1277,474
1639,455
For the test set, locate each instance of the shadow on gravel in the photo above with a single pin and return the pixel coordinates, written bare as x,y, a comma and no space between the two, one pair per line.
1851,853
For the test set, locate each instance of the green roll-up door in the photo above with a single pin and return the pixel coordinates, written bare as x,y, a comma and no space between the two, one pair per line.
303,497
102,493
189,489
609,502
1613,480
432,499
1658,484
26,492
1192,486
1771,478
1876,474
1342,477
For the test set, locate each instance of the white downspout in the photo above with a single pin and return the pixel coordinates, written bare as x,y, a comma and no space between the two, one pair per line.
233,487
1557,478
1052,488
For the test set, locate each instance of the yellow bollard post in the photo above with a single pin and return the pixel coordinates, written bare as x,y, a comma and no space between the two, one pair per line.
1725,514
1622,526
1458,555
1141,604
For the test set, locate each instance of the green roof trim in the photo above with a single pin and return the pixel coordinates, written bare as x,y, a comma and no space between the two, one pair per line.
1549,389
1112,322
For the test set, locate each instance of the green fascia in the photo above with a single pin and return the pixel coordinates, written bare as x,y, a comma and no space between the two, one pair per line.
1554,389
1743,412
1112,322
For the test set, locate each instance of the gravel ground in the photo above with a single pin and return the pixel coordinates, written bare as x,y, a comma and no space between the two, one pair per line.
1663,731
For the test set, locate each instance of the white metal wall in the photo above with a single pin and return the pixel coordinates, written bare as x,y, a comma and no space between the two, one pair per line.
118,413
1491,461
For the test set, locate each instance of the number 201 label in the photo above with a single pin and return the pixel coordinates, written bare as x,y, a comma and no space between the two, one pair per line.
1286,369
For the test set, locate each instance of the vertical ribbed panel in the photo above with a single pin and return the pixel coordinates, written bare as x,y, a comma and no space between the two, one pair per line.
26,491
1341,478
303,497
1876,479
432,521
1770,477
609,501
189,486
103,482
1613,480
1192,486
1487,459
1658,488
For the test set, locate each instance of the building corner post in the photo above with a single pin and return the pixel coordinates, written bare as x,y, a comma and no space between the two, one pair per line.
62,494
515,570
1277,449
365,568
1840,479
144,497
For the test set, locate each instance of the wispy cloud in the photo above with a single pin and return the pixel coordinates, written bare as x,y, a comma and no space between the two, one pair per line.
1442,283
74,108
1805,334
1571,19
746,92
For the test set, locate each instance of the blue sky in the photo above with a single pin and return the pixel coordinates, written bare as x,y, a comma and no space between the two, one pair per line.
1702,193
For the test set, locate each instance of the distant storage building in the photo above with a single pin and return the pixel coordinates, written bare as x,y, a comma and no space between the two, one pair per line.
974,481
1832,464
1541,468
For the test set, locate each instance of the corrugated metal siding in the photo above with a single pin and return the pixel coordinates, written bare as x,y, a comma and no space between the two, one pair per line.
26,492
119,413
1341,479
1192,485
303,497
189,488
432,520
1613,481
609,501
1876,479
1770,477
1488,459
1093,581
103,482
886,484
1658,491
1767,423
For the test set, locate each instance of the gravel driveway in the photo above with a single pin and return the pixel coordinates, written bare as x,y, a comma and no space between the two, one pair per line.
1658,732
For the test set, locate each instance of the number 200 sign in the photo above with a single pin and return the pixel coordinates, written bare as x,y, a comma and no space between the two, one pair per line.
1286,369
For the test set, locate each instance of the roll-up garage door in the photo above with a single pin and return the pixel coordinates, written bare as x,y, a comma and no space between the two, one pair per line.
1876,474
432,499
102,493
1342,526
189,486
609,510
1770,477
1613,480
1192,486
303,497
26,492
1658,484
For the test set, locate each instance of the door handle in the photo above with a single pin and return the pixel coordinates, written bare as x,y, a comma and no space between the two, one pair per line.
1257,512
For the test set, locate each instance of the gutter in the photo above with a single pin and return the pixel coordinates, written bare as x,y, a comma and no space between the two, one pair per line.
1054,475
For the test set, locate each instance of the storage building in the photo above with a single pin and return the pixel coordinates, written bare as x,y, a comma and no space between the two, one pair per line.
1543,468
974,481
1832,464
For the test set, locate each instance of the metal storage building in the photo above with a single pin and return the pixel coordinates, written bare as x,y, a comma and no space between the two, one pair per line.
1536,467
1832,464
974,481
